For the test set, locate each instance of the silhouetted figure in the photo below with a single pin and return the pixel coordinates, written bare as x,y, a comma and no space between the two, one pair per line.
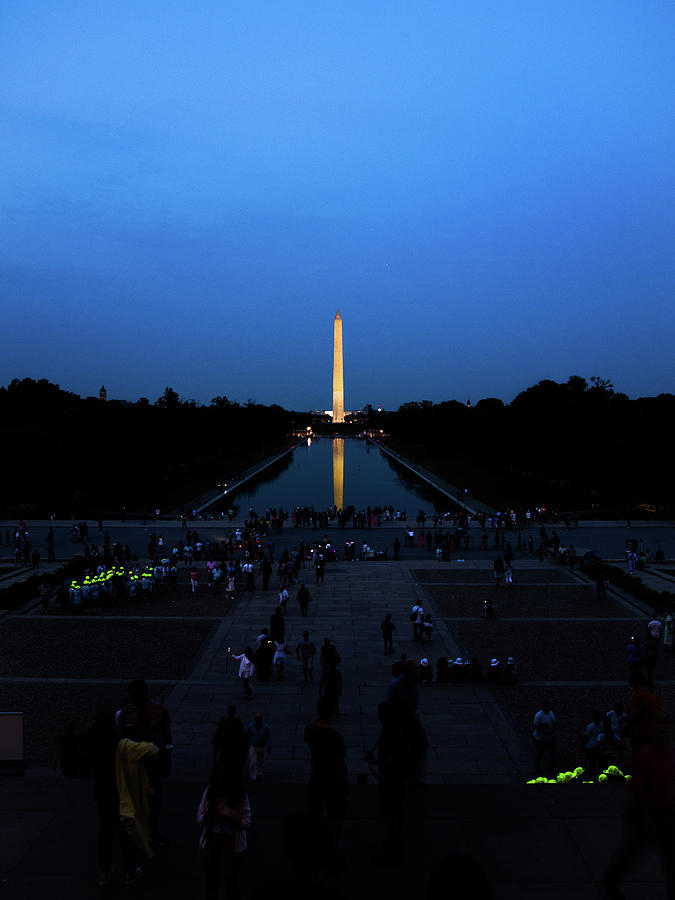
328,783
400,752
225,816
331,686
442,671
543,735
649,817
277,625
229,741
102,740
304,598
145,720
388,628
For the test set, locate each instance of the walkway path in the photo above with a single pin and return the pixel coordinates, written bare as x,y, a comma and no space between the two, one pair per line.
470,736
533,842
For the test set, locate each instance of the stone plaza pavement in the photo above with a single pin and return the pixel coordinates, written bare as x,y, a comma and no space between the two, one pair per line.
533,841
471,738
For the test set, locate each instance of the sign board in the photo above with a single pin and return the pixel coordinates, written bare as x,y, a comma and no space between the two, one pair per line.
11,743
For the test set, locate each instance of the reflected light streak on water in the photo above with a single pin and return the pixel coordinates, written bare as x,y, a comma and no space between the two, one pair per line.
344,472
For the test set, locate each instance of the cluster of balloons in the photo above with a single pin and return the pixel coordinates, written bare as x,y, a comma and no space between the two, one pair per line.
611,773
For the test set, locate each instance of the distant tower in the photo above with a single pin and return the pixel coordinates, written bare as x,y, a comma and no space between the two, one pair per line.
338,383
103,394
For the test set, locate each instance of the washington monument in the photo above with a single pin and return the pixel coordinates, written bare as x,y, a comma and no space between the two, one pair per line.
338,384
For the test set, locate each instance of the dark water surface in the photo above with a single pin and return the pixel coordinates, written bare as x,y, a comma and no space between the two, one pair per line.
341,472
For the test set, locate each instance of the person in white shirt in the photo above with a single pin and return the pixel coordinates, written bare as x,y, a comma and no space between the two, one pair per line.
283,598
246,669
418,612
655,629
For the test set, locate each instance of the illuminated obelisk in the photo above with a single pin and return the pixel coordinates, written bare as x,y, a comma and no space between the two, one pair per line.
338,383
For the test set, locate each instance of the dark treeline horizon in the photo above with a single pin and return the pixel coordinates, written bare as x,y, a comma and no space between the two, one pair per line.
578,445
69,455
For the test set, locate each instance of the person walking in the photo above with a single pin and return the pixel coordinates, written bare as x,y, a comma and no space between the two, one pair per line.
635,655
417,618
145,720
305,653
328,782
303,597
388,628
427,629
498,569
102,740
229,741
328,654
260,743
543,735
649,816
331,686
45,595
246,669
654,631
277,625
508,575
320,568
194,579
643,712
265,572
279,659
249,574
283,598
224,813
592,743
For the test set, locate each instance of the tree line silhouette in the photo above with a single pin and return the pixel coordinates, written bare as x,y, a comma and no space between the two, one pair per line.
69,455
579,445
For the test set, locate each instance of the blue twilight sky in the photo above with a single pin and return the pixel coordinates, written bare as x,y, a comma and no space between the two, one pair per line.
189,191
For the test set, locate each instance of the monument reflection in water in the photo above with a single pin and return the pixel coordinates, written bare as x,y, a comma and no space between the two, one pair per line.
338,472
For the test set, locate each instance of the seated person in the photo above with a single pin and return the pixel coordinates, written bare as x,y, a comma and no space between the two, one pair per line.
426,671
510,672
455,671
476,671
494,673
443,670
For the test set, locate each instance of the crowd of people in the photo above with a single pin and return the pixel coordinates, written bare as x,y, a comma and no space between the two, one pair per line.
129,753
249,557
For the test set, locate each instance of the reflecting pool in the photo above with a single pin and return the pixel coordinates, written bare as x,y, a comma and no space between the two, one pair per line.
342,472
